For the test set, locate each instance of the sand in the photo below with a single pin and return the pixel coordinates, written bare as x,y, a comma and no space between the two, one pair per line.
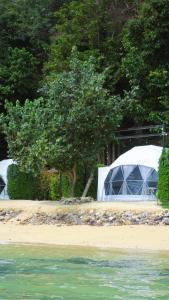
49,206
143,237
122,237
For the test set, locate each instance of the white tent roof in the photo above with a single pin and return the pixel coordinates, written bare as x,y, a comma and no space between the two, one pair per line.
143,155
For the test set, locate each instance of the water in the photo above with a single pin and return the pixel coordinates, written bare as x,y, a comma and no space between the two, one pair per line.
46,272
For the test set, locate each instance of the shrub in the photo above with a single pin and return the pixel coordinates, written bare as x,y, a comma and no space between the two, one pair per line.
163,182
65,186
21,185
54,187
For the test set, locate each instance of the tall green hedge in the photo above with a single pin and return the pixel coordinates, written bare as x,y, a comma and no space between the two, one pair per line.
46,186
163,182
21,185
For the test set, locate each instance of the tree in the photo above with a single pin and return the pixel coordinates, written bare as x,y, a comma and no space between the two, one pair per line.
145,61
163,183
18,74
26,28
70,126
95,28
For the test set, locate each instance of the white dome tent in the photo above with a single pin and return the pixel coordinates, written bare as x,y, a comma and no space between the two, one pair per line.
4,164
133,176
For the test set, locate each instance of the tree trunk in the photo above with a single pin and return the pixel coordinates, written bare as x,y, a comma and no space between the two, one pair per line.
73,181
88,184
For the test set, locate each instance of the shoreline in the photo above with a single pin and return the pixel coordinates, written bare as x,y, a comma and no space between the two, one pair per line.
142,226
133,237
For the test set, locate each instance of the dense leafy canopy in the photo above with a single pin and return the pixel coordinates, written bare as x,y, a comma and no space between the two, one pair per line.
69,126
122,58
145,61
95,28
26,27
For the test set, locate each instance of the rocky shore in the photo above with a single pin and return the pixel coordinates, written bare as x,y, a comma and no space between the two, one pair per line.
106,225
78,216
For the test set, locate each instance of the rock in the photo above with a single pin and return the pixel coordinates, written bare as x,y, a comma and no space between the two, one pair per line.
112,218
127,214
3,213
165,221
143,215
166,214
159,218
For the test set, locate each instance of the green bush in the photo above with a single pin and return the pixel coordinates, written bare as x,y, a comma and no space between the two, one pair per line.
54,187
65,186
163,182
21,185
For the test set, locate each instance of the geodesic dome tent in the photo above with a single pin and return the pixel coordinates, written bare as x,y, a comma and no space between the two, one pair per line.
4,164
133,176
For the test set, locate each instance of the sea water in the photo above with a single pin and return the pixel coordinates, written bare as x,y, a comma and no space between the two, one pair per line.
47,272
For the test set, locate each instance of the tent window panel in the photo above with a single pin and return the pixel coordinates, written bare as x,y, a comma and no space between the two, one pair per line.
152,176
135,187
107,188
152,184
118,176
2,185
135,174
116,186
127,170
108,178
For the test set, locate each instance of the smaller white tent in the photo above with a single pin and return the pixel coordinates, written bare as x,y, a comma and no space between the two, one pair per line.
4,164
132,176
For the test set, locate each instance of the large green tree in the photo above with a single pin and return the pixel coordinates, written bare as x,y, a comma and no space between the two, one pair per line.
25,31
94,26
145,61
69,126
26,28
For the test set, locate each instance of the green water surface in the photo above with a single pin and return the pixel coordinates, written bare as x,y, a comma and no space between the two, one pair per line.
47,272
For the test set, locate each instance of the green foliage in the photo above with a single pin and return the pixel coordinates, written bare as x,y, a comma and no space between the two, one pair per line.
145,60
163,182
25,136
65,187
18,73
54,187
21,185
70,126
26,28
95,28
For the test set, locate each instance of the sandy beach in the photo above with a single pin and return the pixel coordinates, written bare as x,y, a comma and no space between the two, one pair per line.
125,237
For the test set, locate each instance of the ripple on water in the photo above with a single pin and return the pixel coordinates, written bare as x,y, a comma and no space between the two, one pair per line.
43,273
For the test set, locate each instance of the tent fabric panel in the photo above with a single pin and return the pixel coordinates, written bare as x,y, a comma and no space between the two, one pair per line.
116,186
152,176
118,175
135,186
145,171
135,174
127,170
2,184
